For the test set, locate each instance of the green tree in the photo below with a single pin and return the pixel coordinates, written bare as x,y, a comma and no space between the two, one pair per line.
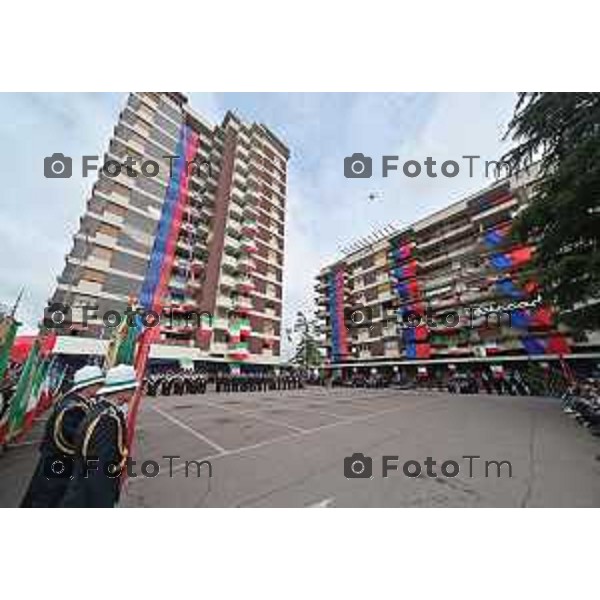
308,354
562,130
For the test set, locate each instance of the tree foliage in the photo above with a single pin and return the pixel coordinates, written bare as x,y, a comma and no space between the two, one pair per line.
308,354
562,130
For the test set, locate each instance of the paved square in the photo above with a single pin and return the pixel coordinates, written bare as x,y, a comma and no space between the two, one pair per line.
288,449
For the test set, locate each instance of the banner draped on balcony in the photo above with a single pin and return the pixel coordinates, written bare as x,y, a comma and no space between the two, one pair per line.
405,271
401,251
407,289
541,317
167,231
557,344
422,350
533,345
495,237
405,283
335,292
160,264
514,258
416,334
506,287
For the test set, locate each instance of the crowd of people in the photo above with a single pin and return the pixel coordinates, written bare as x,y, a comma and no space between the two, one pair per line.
176,382
182,382
582,402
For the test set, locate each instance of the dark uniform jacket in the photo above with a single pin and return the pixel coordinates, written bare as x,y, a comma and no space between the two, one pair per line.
57,450
100,457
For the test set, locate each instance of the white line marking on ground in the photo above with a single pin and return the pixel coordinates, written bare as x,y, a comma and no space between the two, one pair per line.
293,436
263,419
187,428
323,504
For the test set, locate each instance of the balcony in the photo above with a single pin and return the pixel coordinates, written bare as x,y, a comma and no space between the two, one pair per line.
246,263
230,261
390,331
249,227
231,244
242,303
248,245
244,284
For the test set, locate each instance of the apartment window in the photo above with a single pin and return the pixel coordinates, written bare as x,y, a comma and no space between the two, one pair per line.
93,275
370,295
369,278
110,230
367,262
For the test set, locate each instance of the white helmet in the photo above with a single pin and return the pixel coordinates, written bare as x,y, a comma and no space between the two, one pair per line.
119,378
86,376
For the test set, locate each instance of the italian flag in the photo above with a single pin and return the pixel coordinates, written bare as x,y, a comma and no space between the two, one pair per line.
35,394
8,332
20,400
50,387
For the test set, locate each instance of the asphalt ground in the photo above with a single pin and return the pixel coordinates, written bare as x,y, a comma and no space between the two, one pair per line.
287,449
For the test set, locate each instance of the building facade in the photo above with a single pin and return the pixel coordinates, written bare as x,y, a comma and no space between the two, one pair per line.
451,288
201,242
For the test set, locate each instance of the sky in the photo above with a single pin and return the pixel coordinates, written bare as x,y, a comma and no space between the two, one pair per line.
325,210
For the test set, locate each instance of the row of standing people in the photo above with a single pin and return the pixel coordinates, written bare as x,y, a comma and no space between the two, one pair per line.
180,383
258,382
177,383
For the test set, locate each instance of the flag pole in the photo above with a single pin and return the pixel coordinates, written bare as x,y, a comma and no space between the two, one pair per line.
17,302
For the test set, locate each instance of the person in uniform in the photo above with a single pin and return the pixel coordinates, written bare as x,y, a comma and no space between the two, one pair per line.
57,448
167,384
178,384
152,386
190,385
101,444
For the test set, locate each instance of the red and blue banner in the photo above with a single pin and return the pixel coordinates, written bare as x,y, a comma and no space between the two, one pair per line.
407,289
514,258
496,236
402,251
160,264
555,344
335,294
161,259
542,317
506,287
405,271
